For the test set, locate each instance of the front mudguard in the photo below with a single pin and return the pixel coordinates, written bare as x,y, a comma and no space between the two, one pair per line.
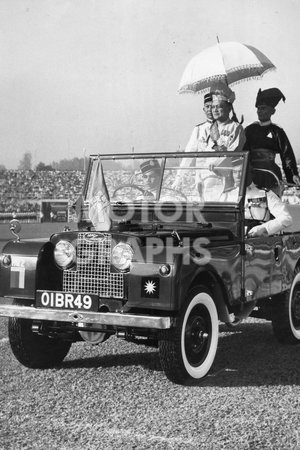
32,267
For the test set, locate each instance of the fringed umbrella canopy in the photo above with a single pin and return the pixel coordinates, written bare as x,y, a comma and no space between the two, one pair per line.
226,62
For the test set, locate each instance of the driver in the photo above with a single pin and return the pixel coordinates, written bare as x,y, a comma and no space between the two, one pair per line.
152,176
151,173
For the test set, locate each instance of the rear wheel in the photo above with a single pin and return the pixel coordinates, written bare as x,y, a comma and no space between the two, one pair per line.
34,350
286,314
187,351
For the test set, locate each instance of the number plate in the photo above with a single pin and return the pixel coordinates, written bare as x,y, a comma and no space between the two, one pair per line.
67,300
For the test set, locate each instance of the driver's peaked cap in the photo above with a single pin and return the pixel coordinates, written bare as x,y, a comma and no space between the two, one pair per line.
147,166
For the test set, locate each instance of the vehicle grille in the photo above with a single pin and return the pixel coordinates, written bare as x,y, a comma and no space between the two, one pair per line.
93,275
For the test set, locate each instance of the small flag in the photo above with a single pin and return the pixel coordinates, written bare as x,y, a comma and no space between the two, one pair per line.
99,205
17,277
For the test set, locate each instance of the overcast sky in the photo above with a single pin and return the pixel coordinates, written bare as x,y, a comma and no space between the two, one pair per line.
103,75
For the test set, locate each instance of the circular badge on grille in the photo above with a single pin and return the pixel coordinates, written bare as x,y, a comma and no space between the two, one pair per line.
92,237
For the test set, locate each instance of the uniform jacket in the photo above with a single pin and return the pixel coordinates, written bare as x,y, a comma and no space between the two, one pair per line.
231,136
264,206
259,199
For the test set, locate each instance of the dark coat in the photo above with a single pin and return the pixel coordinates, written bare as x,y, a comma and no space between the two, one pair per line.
264,142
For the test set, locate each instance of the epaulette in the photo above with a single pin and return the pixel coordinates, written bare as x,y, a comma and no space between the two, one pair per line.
199,124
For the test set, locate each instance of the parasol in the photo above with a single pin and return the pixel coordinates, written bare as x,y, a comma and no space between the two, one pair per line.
226,62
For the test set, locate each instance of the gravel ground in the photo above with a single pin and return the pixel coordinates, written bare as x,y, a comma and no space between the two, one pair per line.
3,328
116,396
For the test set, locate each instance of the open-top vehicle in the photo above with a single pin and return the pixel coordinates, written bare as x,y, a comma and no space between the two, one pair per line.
166,258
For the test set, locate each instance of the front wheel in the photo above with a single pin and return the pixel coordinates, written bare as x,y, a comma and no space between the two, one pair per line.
286,314
33,350
187,351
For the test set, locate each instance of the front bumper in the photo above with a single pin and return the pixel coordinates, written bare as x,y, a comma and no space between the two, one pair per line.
98,318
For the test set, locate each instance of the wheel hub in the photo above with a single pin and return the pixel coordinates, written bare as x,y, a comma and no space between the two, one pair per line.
197,338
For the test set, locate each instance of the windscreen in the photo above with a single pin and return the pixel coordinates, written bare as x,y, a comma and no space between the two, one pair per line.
185,178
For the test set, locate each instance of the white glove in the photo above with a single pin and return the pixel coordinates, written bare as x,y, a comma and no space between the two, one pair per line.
258,230
296,180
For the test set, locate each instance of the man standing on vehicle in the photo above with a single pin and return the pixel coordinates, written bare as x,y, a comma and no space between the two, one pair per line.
221,134
200,134
265,140
226,134
198,140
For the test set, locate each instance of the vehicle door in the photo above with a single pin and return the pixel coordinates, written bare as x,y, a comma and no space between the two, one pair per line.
263,266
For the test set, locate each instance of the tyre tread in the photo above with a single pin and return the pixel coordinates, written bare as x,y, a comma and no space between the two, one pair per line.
33,350
280,318
169,343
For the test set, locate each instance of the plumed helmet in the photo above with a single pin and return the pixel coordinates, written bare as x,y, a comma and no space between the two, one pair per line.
222,92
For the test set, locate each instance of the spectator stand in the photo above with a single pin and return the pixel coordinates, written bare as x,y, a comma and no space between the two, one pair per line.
24,191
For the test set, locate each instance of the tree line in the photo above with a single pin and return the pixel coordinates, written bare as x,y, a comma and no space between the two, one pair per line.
25,163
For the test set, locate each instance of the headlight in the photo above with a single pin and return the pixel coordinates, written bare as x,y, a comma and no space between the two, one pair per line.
6,260
64,254
121,256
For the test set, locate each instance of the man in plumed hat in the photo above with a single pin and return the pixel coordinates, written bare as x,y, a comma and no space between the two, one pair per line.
219,131
265,140
226,134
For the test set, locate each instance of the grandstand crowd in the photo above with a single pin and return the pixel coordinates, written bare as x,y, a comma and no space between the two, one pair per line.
23,190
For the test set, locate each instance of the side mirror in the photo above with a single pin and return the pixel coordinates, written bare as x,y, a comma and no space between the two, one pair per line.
15,228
